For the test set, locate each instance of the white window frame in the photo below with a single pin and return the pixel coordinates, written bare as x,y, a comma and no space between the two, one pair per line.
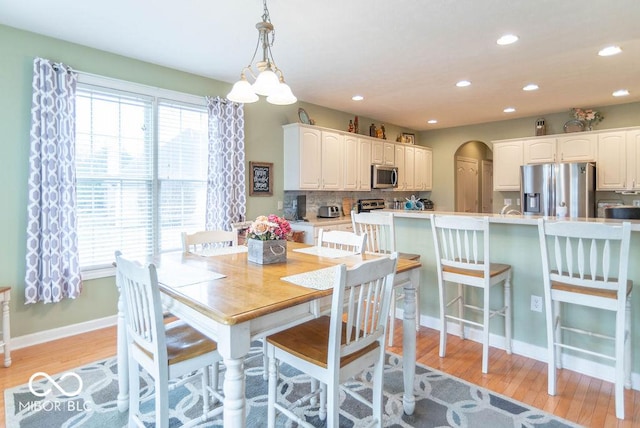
158,94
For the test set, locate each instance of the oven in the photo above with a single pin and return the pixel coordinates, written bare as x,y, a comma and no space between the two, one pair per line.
368,205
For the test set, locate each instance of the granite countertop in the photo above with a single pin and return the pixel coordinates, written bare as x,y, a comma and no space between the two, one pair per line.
319,221
507,218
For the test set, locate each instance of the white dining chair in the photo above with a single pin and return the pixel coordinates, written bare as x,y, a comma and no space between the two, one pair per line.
164,351
199,241
381,239
342,240
586,264
334,348
463,257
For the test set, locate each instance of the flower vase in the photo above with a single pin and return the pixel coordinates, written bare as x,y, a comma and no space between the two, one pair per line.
267,252
588,126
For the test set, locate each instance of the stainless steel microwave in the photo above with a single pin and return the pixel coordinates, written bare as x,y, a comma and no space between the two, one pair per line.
384,177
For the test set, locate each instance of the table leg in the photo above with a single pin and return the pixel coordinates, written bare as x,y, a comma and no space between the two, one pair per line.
6,331
123,360
233,344
409,341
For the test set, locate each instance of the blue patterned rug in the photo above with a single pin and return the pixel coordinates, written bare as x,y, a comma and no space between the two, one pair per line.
441,401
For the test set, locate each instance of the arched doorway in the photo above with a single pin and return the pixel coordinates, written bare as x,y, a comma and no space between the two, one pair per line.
474,178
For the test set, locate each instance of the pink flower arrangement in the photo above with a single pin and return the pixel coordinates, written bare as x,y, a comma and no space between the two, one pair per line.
269,227
587,115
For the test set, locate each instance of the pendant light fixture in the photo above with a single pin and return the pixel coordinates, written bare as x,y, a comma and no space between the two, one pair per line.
269,81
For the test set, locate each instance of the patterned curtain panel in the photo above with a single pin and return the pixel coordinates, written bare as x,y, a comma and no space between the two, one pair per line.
53,270
226,199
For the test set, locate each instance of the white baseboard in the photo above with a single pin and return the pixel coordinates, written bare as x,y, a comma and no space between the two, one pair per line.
580,365
62,332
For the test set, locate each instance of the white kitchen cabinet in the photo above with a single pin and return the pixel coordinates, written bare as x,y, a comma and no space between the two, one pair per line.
618,165
577,147
317,158
539,151
382,153
405,162
612,161
423,168
507,159
351,162
313,158
633,156
356,163
399,157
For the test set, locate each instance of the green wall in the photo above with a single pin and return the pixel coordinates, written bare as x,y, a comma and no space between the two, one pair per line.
263,137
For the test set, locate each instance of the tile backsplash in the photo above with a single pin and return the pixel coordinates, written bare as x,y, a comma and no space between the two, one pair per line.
316,199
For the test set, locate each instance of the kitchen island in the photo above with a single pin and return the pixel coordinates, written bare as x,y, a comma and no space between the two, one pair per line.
514,240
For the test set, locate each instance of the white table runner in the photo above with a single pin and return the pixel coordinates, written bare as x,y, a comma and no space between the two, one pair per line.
321,279
178,275
332,253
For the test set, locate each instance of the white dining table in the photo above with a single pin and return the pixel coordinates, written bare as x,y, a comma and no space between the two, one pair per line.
234,301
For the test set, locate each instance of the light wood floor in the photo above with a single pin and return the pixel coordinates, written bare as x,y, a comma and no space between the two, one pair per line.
580,399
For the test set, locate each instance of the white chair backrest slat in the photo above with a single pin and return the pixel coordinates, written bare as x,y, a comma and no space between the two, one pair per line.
362,297
199,241
342,240
379,228
143,307
463,241
588,255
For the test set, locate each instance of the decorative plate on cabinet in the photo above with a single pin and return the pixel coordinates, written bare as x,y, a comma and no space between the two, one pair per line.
574,125
304,117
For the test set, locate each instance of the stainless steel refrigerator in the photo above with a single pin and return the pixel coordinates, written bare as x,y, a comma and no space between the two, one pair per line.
546,187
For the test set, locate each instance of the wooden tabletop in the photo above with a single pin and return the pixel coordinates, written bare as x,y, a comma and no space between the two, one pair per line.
251,290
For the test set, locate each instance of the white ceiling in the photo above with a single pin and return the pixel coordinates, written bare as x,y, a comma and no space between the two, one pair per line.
403,56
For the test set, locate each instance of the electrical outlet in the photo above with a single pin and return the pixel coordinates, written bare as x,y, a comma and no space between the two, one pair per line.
279,205
508,201
518,202
536,303
636,202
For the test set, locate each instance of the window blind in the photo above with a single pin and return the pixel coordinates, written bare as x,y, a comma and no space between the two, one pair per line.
141,172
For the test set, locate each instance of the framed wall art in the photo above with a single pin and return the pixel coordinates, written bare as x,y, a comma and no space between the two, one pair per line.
408,138
260,179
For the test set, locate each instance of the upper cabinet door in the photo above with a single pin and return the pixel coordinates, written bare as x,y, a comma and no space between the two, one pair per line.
377,152
351,172
389,154
612,161
332,158
540,151
364,182
633,159
507,159
580,147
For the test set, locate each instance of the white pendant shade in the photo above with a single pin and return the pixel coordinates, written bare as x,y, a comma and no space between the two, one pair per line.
266,83
282,96
242,92
270,80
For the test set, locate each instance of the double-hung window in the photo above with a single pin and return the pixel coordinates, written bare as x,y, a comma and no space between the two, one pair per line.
141,166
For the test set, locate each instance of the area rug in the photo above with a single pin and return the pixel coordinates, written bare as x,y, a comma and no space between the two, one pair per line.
85,397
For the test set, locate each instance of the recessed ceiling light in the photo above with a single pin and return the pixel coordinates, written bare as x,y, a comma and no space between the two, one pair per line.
610,50
509,110
621,93
432,121
531,87
357,98
463,83
507,39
